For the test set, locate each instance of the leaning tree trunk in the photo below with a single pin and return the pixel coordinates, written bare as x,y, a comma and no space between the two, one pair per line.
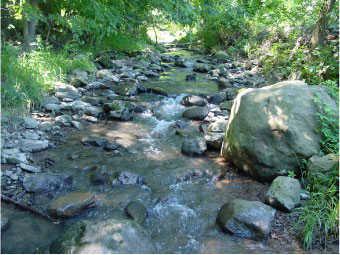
30,26
319,31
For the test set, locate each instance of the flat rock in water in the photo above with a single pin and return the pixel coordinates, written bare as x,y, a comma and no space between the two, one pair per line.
40,183
249,219
94,141
111,236
127,178
72,204
196,113
284,193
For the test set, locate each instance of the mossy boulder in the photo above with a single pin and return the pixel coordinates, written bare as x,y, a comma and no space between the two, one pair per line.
271,129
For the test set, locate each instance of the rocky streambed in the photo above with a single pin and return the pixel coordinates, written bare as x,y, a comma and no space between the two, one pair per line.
127,160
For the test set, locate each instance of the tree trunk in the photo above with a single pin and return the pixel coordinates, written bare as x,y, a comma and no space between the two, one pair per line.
30,26
319,31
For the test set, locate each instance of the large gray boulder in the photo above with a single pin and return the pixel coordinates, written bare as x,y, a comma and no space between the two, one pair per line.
26,145
194,147
249,219
284,193
321,167
272,128
104,237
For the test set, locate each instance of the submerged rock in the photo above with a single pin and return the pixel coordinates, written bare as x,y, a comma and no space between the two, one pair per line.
127,178
72,204
40,183
104,237
194,147
94,141
5,222
249,219
202,68
284,193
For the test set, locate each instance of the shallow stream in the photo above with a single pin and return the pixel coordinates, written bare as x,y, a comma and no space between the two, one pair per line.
182,207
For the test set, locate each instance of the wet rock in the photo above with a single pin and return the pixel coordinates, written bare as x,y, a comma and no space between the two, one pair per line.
46,126
191,77
107,75
218,126
93,100
159,91
119,110
101,176
5,222
223,83
202,68
29,168
111,146
64,90
231,93
321,167
136,211
167,59
249,219
183,133
227,105
151,74
65,120
40,183
179,124
155,68
217,98
262,143
94,141
104,237
195,113
77,125
26,145
30,123
72,204
127,178
194,147
214,140
139,109
193,101
284,193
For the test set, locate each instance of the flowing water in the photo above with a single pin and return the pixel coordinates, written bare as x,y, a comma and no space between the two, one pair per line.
182,207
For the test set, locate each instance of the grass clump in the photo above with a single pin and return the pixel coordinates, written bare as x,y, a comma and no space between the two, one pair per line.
27,77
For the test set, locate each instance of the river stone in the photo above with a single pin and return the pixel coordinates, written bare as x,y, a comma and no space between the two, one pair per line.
79,78
94,141
30,123
321,167
202,68
195,113
72,204
284,193
214,140
30,135
249,219
127,178
50,100
77,125
227,105
217,98
231,93
45,182
223,83
193,101
136,211
107,75
93,100
26,145
64,90
46,126
221,55
194,147
13,156
218,126
273,128
111,236
65,120
101,176
5,222
28,168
